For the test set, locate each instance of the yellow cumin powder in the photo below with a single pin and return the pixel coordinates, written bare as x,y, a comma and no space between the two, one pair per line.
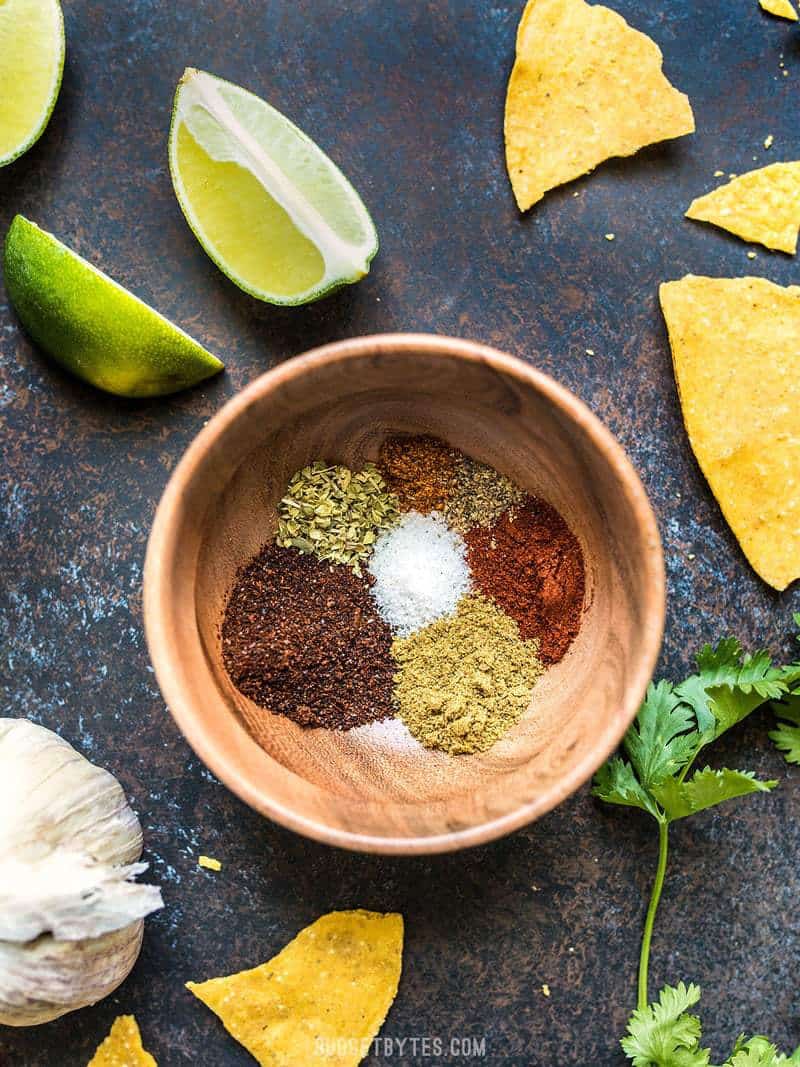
463,681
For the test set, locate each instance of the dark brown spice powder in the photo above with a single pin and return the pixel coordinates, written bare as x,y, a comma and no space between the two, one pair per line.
304,639
530,563
419,470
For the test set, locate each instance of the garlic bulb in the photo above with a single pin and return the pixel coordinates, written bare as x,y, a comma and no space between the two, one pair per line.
70,916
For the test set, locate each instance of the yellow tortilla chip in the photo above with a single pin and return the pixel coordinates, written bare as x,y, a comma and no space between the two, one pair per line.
782,8
585,87
123,1047
762,205
322,999
736,352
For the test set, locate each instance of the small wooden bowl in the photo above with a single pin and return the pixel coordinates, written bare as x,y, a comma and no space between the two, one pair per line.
374,789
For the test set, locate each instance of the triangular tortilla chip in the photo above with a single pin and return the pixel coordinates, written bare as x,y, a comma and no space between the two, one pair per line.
736,352
322,999
762,205
585,87
123,1047
782,8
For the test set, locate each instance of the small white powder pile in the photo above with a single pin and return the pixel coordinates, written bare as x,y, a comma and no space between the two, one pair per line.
420,572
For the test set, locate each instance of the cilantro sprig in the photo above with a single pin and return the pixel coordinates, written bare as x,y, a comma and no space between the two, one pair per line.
787,733
655,773
667,1034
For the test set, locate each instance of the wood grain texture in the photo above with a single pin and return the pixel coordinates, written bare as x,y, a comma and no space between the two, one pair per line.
375,788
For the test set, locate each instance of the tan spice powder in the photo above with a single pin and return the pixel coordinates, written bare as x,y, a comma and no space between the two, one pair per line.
420,470
462,682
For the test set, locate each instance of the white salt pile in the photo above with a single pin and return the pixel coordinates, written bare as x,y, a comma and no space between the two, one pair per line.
420,572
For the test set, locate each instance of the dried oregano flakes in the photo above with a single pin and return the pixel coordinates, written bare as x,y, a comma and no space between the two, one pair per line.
480,495
336,513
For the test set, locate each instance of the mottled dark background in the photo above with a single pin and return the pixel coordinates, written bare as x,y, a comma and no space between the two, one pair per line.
408,97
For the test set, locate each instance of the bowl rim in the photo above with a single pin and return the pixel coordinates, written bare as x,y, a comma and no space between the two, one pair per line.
161,641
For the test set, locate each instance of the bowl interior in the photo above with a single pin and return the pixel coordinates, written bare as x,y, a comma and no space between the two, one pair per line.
375,787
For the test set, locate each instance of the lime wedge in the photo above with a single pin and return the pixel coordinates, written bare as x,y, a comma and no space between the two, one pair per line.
31,64
91,325
269,207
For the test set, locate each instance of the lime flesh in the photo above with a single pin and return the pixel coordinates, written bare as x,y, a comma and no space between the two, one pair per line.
31,64
269,207
91,325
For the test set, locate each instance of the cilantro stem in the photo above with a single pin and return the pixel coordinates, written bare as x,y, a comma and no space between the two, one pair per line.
655,897
688,765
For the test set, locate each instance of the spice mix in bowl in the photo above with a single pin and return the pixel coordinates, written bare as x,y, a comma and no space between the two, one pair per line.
366,607
404,593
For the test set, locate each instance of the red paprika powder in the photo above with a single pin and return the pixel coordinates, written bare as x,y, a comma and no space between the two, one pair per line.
530,563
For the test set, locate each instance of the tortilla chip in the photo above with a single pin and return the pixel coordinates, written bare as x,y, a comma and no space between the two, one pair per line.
782,8
762,205
585,87
736,352
123,1047
322,999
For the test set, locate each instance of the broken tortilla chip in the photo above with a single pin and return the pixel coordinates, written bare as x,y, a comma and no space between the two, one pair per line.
762,205
782,8
123,1047
736,353
322,1000
585,87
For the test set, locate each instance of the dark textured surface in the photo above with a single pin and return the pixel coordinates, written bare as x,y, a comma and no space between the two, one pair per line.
408,98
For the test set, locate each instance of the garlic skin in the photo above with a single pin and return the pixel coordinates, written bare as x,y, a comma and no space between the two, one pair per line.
46,979
70,917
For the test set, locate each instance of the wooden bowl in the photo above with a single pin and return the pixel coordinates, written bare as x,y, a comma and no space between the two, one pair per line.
374,789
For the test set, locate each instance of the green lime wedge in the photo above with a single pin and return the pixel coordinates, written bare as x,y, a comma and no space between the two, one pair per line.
269,207
31,64
91,325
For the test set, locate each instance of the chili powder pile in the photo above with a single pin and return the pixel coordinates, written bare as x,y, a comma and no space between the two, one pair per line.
304,639
420,470
530,563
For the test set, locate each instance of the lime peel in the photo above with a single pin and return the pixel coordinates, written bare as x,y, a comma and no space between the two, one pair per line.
344,262
92,325
22,64
341,259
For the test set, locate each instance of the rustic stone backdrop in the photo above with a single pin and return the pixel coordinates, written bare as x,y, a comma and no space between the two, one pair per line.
408,98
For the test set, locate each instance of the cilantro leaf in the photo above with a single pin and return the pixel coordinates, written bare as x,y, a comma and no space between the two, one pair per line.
730,685
675,722
694,693
664,1034
616,783
662,738
728,664
752,1057
786,737
756,1052
787,740
706,789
